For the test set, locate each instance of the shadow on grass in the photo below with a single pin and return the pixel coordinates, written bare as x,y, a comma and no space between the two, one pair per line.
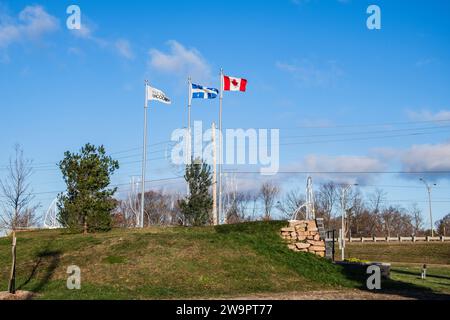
394,287
264,238
48,259
418,275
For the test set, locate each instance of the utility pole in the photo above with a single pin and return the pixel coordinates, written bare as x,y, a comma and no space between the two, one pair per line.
429,203
344,191
214,181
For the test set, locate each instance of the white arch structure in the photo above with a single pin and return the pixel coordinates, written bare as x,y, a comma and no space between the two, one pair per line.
309,204
51,216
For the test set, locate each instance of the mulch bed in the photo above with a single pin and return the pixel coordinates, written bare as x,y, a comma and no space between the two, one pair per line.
20,295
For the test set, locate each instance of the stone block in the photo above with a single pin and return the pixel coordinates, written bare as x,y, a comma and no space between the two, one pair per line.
321,254
301,245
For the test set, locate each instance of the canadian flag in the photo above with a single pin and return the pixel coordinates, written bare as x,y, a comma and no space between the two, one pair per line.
234,84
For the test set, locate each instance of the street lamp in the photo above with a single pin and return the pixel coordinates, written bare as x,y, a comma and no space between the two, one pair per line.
429,202
344,191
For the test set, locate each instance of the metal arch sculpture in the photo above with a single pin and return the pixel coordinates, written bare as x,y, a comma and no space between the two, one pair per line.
309,204
51,216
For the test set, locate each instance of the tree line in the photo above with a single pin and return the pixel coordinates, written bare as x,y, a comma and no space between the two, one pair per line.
91,205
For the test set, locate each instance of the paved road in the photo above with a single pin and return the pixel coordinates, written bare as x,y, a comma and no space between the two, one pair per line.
344,295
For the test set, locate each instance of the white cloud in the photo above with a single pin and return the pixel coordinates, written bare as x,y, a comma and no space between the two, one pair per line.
341,169
88,32
307,73
33,23
123,48
421,158
426,115
85,31
180,61
427,157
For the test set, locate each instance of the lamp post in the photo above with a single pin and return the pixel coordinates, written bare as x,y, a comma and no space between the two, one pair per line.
344,191
429,202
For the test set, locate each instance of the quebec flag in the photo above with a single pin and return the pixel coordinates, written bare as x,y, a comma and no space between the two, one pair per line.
200,92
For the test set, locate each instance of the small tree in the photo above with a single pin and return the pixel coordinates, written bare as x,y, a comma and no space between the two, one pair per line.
87,205
16,205
269,192
197,207
17,196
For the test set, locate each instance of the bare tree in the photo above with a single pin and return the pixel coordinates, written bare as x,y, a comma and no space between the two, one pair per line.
290,203
161,208
128,210
269,192
253,203
356,213
396,221
326,199
18,210
240,208
417,219
16,203
376,200
443,225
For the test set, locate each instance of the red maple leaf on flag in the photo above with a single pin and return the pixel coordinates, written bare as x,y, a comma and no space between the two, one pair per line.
234,84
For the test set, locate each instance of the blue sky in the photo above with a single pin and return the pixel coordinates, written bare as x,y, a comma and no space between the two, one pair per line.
344,97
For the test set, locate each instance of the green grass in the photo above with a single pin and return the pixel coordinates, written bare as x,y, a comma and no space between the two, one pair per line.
438,277
169,263
407,260
431,252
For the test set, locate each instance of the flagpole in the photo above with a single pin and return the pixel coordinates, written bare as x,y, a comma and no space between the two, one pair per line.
220,145
214,181
189,137
144,159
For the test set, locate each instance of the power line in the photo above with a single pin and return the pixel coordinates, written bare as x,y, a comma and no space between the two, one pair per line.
398,186
361,139
365,132
346,172
45,164
121,164
366,124
51,164
110,186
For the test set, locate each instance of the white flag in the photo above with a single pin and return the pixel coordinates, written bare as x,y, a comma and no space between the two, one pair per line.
158,95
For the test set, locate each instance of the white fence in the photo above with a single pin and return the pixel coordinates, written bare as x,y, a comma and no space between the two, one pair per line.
411,239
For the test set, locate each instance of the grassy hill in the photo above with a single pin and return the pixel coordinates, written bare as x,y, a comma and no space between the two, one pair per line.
167,263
